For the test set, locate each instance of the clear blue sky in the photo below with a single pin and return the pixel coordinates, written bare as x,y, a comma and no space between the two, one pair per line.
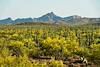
36,8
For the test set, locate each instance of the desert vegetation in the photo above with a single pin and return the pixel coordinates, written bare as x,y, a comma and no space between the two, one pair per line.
45,45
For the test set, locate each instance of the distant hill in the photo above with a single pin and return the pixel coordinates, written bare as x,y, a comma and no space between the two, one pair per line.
6,21
52,18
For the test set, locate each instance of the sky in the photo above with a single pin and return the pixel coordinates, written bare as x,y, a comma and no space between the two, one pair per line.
36,8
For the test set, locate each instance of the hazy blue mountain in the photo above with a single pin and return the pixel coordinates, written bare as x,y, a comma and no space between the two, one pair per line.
6,21
52,18
23,20
75,19
71,18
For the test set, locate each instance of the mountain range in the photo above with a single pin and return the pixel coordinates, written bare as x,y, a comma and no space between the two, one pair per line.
52,18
